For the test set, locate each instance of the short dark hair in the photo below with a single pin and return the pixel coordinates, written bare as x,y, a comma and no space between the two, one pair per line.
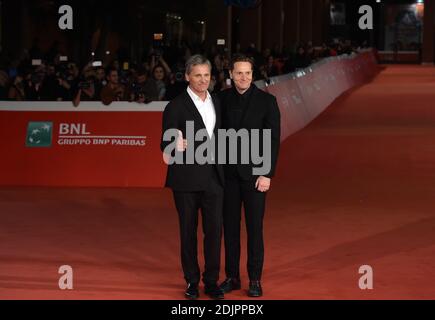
241,58
142,71
109,70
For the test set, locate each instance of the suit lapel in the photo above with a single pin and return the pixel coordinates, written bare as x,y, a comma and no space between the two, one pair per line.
250,109
193,110
217,109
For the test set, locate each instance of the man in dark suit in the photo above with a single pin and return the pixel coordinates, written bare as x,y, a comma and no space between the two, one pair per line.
196,185
246,107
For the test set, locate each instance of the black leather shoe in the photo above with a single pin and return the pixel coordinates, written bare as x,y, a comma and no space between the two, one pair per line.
255,290
230,284
192,292
214,292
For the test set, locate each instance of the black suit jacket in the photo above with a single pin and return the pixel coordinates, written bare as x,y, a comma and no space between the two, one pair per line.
262,112
189,177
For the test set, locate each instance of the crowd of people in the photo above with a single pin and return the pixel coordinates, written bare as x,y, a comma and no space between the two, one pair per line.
159,77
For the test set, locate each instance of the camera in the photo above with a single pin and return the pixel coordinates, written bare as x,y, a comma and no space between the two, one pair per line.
137,90
37,78
84,85
62,72
157,53
139,93
179,76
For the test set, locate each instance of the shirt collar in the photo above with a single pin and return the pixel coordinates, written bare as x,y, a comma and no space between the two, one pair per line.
195,97
246,94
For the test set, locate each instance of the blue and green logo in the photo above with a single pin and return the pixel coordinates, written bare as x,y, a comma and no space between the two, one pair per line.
39,134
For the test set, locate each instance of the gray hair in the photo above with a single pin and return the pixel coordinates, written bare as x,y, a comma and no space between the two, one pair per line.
196,60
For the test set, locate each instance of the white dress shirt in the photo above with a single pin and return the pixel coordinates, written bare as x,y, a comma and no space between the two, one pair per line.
206,110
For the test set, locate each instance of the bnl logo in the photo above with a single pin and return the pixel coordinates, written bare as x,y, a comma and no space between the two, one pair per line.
39,134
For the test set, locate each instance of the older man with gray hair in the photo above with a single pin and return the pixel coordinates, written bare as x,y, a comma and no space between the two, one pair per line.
196,186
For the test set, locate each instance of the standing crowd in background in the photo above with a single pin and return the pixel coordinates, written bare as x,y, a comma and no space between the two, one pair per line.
159,77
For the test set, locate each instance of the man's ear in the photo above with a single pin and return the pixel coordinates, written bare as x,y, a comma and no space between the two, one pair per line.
231,75
186,76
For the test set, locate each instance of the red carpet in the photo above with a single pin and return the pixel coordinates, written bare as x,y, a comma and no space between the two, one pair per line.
354,188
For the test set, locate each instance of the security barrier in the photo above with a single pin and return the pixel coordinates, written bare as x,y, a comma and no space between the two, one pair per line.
55,144
303,95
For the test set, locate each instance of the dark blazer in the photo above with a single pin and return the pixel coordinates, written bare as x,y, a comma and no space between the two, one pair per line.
261,113
189,177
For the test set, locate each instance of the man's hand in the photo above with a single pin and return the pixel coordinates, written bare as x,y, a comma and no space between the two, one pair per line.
89,92
181,147
263,184
181,144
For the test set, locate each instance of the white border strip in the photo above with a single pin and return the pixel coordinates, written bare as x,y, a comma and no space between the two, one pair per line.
63,106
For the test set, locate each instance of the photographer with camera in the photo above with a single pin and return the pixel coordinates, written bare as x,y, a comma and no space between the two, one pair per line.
113,91
100,81
17,90
144,90
54,86
64,86
161,73
33,84
177,84
85,87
